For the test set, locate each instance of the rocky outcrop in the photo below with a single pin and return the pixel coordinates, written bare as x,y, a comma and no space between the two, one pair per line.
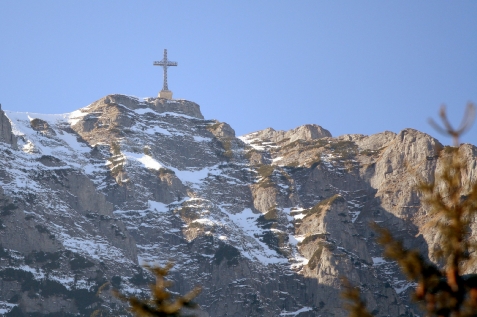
42,126
185,107
6,135
305,132
375,142
159,105
330,220
407,160
222,130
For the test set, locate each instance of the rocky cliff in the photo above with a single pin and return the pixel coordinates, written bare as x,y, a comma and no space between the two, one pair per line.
267,223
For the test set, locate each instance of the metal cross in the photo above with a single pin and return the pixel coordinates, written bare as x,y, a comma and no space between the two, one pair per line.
165,63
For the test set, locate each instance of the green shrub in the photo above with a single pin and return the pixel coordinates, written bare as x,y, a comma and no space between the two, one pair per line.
147,150
188,213
78,263
115,148
311,238
369,152
265,170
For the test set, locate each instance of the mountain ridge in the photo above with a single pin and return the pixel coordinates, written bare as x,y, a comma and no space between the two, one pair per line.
266,222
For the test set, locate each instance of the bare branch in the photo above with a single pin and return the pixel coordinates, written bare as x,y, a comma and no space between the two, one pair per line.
464,126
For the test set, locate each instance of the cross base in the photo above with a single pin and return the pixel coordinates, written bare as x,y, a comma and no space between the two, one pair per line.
167,94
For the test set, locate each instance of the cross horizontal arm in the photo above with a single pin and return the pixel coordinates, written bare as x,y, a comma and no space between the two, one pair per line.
161,63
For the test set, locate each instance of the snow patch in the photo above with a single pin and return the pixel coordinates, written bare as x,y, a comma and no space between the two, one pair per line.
249,140
145,110
75,116
205,221
379,261
159,130
295,313
174,114
157,206
146,160
191,176
5,307
275,160
200,139
247,222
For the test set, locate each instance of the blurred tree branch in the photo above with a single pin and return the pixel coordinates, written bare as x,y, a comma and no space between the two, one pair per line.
446,291
162,302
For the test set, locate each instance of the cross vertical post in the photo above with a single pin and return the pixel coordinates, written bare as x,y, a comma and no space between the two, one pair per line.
165,92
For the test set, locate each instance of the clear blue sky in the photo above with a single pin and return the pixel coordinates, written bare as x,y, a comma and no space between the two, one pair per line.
349,66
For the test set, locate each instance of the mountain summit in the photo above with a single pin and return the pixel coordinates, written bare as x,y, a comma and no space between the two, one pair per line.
266,223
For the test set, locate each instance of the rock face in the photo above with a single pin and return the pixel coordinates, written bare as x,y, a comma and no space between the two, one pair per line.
305,132
267,223
6,135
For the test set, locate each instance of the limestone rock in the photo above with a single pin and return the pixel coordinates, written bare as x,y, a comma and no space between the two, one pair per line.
42,126
222,130
409,150
177,106
267,223
376,141
307,132
6,134
304,132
